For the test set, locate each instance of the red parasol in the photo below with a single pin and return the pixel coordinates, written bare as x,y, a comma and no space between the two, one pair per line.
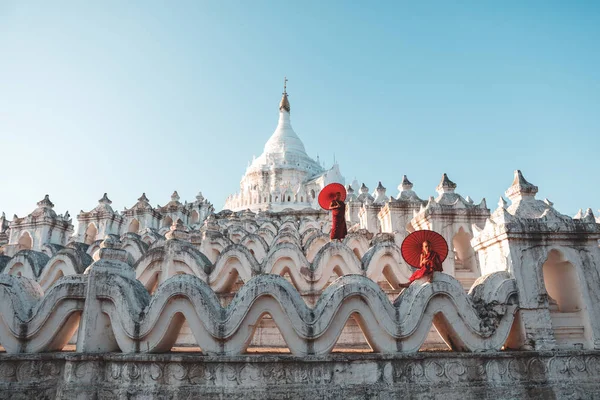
328,194
412,246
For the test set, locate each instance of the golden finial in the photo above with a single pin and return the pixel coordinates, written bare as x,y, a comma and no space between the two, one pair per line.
284,104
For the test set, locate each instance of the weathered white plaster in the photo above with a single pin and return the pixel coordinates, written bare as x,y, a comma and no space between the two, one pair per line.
521,239
264,274
283,176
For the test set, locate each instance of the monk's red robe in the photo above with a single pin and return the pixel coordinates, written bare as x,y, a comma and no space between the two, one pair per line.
338,220
428,265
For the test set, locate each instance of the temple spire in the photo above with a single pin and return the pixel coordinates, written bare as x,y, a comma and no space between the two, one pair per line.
284,104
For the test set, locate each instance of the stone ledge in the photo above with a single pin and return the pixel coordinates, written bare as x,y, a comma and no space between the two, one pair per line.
446,375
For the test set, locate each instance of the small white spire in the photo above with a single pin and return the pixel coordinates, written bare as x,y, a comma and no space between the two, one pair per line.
502,203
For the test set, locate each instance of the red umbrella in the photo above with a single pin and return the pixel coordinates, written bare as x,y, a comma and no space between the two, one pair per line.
328,194
412,246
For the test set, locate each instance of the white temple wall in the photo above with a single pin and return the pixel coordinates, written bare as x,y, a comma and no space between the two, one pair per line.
144,221
60,236
561,272
456,230
285,188
394,218
384,220
352,213
21,239
35,237
90,233
368,218
570,319
494,255
547,327
166,222
576,278
104,226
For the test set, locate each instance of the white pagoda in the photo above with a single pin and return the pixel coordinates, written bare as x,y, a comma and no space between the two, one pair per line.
284,176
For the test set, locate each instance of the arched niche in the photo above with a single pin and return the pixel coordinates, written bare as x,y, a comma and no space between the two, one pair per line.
167,222
464,255
569,322
134,226
466,267
195,217
562,283
25,241
90,234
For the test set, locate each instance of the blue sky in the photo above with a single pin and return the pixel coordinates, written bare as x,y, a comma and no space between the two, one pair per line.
131,97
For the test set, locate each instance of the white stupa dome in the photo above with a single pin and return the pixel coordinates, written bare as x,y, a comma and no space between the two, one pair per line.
283,176
285,149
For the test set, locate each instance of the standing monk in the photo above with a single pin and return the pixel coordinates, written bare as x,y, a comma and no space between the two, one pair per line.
430,262
338,218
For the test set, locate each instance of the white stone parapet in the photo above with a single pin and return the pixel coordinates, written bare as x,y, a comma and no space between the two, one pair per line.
284,264
118,313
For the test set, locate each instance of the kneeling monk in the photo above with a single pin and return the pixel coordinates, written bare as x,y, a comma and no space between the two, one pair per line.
430,262
338,218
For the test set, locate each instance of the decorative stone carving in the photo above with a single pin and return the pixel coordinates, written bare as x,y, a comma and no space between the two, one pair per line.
530,375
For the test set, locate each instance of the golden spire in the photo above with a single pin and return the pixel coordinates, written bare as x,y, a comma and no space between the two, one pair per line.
284,104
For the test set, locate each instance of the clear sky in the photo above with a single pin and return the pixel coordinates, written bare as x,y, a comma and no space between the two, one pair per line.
128,97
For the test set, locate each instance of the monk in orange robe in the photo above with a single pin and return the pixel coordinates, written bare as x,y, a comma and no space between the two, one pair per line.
338,218
430,262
